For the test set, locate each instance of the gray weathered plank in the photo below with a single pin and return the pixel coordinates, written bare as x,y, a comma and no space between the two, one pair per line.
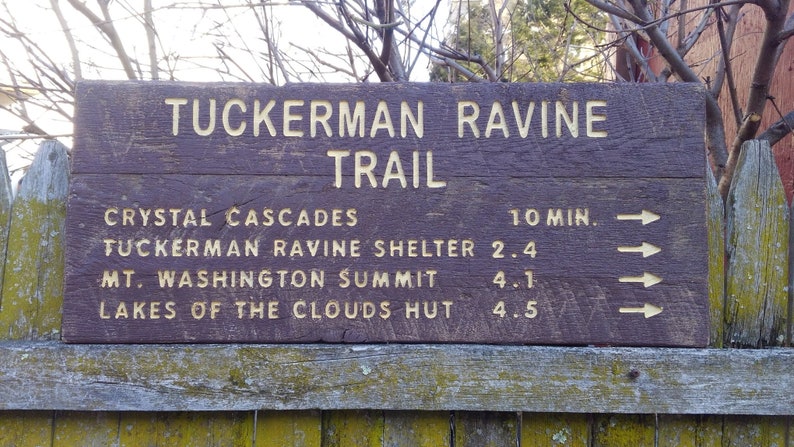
356,427
6,200
555,429
621,430
757,249
33,277
416,428
49,375
716,240
486,429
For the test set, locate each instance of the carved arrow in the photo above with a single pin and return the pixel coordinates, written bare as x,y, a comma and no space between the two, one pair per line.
645,216
647,279
646,249
648,309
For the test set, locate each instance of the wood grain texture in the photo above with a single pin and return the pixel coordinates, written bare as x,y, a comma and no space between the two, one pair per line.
689,431
127,128
442,377
186,429
353,427
757,232
33,278
84,428
581,282
6,201
288,429
716,274
486,429
24,428
624,431
756,430
576,273
556,430
417,428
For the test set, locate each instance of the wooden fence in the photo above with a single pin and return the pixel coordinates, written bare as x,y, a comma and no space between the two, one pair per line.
402,395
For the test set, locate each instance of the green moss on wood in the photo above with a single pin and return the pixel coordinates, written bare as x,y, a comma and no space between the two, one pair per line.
716,238
757,247
33,278
288,428
353,428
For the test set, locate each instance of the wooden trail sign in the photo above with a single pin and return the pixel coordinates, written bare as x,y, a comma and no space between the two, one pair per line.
500,213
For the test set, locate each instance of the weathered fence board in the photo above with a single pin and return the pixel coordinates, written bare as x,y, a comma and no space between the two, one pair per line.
716,237
687,431
624,431
416,428
33,277
352,427
441,377
84,428
186,429
486,429
755,430
6,199
284,428
757,249
546,429
26,428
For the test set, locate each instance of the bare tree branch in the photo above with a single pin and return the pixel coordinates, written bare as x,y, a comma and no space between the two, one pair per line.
615,11
720,76
768,56
728,66
385,12
320,60
106,27
56,8
462,70
687,43
151,32
788,29
779,129
631,46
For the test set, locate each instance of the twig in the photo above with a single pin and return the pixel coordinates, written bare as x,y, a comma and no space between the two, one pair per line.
148,21
780,128
725,47
67,33
25,136
377,26
106,27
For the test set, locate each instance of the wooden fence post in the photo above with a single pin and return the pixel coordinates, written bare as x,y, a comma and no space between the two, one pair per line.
716,240
33,279
6,200
757,249
31,264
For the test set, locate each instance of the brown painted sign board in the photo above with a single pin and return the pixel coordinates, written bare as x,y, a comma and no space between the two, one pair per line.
565,214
